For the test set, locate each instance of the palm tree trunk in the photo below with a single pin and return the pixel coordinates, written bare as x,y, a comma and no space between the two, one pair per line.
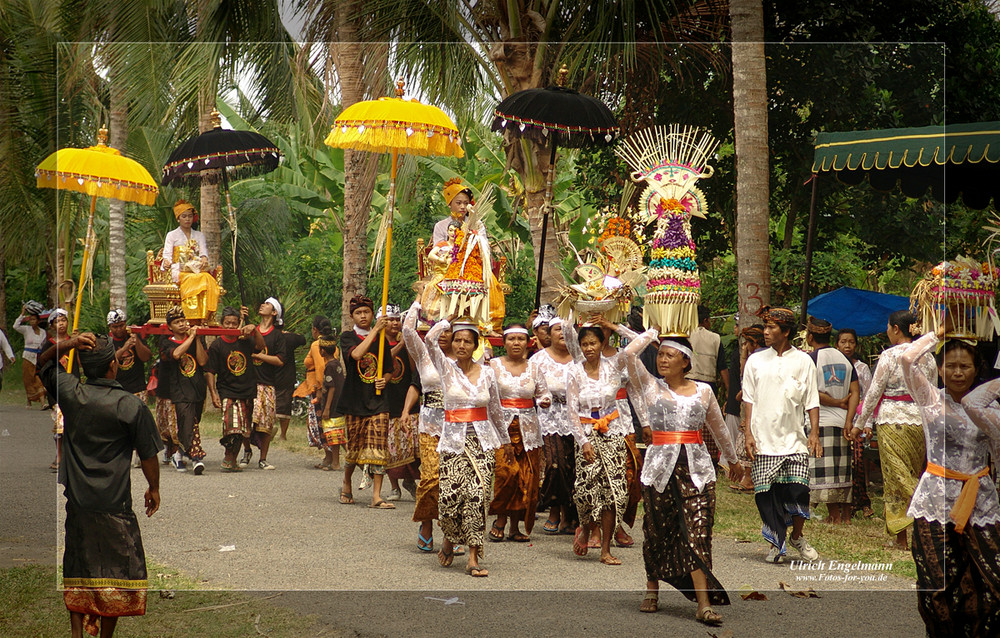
3,284
210,198
752,171
117,134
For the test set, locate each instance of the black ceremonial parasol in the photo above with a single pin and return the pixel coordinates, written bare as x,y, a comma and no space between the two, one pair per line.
223,149
561,117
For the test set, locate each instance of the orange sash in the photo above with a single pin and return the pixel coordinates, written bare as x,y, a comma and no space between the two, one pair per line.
519,404
622,394
601,424
466,415
967,499
676,438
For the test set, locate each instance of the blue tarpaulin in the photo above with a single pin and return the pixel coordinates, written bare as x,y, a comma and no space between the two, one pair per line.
864,310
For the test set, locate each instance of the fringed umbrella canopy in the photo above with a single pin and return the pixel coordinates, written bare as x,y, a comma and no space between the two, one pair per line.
221,148
98,171
389,125
580,120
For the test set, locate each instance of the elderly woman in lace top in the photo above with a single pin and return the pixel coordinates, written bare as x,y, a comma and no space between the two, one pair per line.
678,476
955,510
521,385
472,431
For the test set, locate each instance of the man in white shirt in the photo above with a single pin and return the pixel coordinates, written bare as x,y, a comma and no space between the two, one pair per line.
779,389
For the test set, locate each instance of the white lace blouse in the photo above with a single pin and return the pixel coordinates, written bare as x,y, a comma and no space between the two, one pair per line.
888,381
953,442
460,393
430,419
530,384
589,397
553,419
668,411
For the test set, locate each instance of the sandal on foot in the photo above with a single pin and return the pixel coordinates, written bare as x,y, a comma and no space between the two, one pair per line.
477,571
551,527
346,498
445,558
594,542
610,560
424,544
458,550
651,603
323,466
382,505
579,545
519,538
708,616
496,533
226,466
622,539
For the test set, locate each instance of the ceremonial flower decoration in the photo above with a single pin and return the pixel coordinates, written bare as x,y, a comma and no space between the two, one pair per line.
966,288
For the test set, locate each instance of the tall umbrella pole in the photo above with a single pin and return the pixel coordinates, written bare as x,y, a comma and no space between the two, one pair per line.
545,219
388,255
232,225
83,270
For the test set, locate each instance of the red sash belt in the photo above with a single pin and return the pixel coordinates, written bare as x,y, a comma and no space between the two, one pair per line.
676,438
892,397
966,501
601,424
519,404
622,394
466,415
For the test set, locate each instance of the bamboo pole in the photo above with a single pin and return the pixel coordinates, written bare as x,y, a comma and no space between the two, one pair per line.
388,254
83,270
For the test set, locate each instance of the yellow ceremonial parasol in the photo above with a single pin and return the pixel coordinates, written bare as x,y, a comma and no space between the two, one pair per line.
394,125
98,171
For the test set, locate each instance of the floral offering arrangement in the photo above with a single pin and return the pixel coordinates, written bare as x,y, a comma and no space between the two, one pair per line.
966,288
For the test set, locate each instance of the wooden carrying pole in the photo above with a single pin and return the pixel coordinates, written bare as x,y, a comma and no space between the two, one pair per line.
83,270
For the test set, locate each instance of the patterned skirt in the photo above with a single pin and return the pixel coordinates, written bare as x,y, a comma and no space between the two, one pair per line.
559,472
600,485
958,578
367,441
237,418
104,566
166,423
516,484
426,507
901,453
781,491
32,384
466,485
633,470
401,446
314,431
677,531
859,478
830,475
264,414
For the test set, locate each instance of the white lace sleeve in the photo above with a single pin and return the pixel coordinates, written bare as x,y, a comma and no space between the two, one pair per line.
572,340
541,387
433,348
414,345
637,372
981,407
924,392
573,407
875,391
717,424
493,407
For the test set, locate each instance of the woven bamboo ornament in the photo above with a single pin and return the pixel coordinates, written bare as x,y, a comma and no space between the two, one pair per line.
670,162
966,288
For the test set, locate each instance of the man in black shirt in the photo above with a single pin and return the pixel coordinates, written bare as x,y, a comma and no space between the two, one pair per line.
285,382
232,383
104,566
402,439
131,352
268,362
182,360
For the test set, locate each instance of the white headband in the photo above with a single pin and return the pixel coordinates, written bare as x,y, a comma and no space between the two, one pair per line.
539,321
464,326
58,312
516,330
555,321
277,309
678,347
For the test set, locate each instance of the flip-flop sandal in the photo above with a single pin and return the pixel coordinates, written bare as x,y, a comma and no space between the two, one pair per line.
477,572
382,505
459,550
593,543
346,499
610,560
445,558
579,548
708,616
424,544
551,527
519,538
740,489
651,603
496,534
624,540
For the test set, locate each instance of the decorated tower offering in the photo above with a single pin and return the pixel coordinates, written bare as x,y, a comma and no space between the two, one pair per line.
966,288
670,162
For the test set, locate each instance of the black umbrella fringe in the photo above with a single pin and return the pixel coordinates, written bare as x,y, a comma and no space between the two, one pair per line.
566,140
212,173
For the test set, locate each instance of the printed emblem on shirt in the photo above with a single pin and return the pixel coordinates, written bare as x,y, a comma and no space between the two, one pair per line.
127,361
188,365
834,374
258,362
368,367
236,363
397,370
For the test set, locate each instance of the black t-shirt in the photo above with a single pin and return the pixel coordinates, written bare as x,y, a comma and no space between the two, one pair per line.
274,344
64,359
735,381
230,362
131,370
359,398
186,378
285,377
333,381
399,384
103,424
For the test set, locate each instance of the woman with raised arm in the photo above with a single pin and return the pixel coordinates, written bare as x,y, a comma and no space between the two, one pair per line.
678,475
955,510
889,409
522,386
557,436
473,430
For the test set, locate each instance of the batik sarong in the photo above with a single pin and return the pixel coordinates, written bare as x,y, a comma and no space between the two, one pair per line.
189,429
515,492
237,419
401,449
367,441
901,452
677,533
781,490
466,486
166,423
600,485
559,473
426,507
32,384
633,470
263,414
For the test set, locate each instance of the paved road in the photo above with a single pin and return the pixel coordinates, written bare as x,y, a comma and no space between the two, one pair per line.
290,533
